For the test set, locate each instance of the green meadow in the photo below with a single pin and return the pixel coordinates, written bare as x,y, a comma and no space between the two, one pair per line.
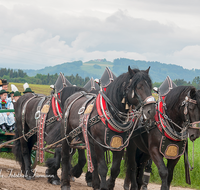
37,88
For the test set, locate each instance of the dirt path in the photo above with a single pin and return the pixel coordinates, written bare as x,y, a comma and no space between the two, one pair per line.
8,180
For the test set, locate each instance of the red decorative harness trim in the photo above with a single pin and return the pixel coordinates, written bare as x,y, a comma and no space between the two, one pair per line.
55,111
103,119
159,119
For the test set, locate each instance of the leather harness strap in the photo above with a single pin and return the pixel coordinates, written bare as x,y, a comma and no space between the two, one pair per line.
23,115
40,124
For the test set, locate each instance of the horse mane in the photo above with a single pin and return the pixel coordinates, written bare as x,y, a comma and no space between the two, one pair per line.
116,89
68,91
198,98
177,92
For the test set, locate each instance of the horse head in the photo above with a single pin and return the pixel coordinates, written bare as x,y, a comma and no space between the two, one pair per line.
183,108
137,92
192,113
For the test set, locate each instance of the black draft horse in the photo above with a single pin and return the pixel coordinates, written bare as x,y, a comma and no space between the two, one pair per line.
183,110
135,86
22,148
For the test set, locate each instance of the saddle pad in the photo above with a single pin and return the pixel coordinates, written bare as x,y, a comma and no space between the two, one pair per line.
171,149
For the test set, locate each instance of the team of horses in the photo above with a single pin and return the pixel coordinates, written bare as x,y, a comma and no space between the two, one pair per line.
106,120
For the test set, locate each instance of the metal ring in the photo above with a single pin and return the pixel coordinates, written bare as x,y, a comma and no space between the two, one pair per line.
37,115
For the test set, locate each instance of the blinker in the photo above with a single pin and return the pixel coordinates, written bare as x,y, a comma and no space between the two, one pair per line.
151,99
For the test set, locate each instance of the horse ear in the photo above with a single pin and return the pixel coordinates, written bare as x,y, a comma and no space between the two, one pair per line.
131,72
147,71
192,92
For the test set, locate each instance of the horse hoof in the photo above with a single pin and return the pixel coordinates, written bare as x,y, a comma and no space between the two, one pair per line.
89,184
55,182
126,187
72,179
29,177
144,187
65,188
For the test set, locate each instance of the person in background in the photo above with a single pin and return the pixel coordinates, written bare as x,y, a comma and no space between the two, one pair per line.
14,89
7,120
16,96
5,86
1,83
27,89
12,95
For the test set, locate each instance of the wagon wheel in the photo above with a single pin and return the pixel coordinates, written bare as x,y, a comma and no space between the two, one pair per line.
33,158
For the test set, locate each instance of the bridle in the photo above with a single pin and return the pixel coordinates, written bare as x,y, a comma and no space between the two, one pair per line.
193,125
142,103
183,134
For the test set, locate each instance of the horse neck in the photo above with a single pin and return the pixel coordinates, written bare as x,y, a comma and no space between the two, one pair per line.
115,96
175,115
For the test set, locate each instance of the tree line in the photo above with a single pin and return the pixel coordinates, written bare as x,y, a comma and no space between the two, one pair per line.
181,82
19,76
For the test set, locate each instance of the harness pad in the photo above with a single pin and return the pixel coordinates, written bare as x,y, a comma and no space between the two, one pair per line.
172,149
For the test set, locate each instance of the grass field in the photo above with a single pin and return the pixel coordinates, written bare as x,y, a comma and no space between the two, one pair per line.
37,88
179,171
88,66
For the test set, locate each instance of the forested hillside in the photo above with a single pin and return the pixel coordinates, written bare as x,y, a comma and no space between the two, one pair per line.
78,73
95,68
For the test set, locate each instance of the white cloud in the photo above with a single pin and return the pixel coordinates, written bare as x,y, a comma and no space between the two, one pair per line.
43,33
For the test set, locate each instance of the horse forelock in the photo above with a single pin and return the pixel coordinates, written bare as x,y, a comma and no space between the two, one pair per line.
141,76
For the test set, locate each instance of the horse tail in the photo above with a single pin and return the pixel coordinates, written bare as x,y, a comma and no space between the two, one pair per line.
17,148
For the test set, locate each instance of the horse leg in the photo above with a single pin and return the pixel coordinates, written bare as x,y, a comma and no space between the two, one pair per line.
95,174
102,167
170,165
143,158
131,167
65,176
28,173
127,180
117,157
88,178
162,169
146,175
53,165
77,170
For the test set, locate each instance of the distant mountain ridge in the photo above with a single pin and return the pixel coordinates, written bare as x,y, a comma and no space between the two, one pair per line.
95,68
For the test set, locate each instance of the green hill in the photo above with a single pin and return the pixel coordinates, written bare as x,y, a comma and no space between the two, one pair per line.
95,69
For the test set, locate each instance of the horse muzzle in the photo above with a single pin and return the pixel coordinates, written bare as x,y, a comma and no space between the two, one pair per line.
149,108
194,131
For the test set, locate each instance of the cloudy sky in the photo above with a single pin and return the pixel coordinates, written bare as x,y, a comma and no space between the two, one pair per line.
39,33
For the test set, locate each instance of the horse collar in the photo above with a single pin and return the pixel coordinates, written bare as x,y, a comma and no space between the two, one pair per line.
106,117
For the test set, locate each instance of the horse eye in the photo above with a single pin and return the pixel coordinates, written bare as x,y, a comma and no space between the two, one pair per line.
139,87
